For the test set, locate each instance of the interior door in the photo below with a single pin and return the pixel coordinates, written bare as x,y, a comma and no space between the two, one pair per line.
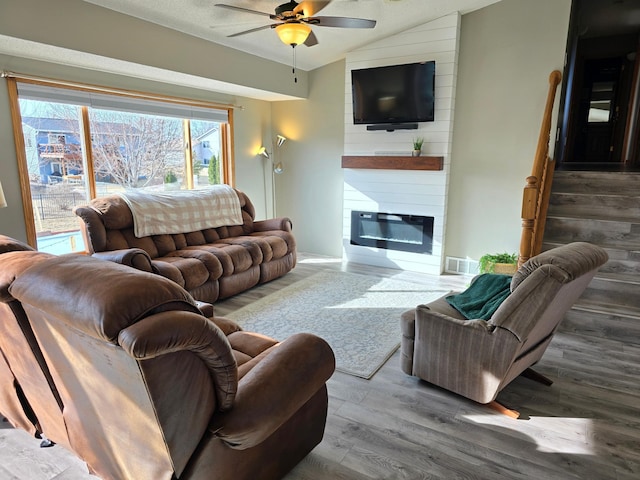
599,111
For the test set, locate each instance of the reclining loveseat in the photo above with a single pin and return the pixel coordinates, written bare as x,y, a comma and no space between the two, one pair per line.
132,377
210,263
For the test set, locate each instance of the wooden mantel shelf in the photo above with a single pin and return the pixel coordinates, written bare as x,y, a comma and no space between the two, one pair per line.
393,162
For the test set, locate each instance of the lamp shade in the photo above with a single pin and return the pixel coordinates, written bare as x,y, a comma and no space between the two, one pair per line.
293,33
3,201
263,152
280,139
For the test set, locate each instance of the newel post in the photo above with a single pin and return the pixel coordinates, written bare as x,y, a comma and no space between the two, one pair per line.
529,206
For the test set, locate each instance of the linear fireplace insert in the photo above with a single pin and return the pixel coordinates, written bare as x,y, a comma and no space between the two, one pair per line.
392,231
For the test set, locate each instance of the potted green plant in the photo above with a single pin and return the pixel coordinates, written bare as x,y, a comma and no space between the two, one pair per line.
498,263
417,146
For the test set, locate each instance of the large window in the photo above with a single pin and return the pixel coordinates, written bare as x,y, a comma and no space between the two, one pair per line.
75,144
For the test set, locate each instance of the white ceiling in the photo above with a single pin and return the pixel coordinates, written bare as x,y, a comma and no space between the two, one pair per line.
202,19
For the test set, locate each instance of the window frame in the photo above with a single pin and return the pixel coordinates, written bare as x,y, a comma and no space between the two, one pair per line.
226,131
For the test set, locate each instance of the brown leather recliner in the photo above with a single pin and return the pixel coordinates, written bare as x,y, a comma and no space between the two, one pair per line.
14,407
13,404
152,389
28,396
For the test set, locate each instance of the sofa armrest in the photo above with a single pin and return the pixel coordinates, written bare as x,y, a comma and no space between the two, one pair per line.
274,390
132,257
93,229
280,223
178,330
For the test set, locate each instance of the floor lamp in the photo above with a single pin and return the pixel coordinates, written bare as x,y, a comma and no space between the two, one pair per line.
276,168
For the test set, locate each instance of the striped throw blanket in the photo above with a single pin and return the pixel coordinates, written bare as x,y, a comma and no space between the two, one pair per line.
157,213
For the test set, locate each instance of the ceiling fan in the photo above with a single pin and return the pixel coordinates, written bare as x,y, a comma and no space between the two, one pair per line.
293,20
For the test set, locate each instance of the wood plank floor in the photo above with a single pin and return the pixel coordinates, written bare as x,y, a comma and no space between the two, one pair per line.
585,426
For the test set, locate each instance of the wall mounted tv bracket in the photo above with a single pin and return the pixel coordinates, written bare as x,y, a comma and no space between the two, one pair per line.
390,127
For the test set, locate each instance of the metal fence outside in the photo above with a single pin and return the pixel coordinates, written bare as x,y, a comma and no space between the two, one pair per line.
56,205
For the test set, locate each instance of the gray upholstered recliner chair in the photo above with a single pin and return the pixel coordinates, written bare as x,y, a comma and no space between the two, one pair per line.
478,358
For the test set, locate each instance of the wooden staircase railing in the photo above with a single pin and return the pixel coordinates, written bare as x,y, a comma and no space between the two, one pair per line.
535,197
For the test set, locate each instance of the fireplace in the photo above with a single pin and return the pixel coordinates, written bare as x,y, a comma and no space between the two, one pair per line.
392,231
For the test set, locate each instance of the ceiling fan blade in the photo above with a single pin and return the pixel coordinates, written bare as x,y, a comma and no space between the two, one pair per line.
310,8
340,22
245,10
252,30
311,40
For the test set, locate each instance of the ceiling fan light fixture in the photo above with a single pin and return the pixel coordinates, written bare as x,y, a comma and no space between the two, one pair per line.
293,33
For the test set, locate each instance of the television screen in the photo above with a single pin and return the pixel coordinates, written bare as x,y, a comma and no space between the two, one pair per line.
393,94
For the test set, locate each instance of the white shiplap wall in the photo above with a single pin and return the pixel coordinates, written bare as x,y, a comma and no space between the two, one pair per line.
401,191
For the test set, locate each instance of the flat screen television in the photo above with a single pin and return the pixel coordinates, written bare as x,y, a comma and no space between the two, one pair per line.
394,94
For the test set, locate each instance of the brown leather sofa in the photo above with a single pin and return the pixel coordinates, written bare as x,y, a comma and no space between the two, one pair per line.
150,388
210,264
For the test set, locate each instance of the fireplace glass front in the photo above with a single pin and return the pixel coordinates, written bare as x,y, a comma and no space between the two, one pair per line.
392,231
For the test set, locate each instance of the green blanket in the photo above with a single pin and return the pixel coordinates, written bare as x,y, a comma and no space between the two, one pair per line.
483,297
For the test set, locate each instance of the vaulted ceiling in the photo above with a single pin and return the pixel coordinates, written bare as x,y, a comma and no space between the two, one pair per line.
203,19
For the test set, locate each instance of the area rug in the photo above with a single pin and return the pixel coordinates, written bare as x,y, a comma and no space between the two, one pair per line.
358,315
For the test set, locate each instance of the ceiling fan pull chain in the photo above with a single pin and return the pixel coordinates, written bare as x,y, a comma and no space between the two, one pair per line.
295,77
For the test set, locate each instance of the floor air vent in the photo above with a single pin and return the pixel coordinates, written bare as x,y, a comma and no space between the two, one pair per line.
463,266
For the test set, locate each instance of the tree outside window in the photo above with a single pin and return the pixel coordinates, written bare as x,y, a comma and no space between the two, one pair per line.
128,150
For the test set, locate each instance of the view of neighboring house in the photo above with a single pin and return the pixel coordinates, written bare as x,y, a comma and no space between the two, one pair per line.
127,151
55,162
53,148
206,145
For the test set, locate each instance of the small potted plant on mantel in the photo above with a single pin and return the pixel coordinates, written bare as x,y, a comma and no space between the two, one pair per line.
506,263
417,146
